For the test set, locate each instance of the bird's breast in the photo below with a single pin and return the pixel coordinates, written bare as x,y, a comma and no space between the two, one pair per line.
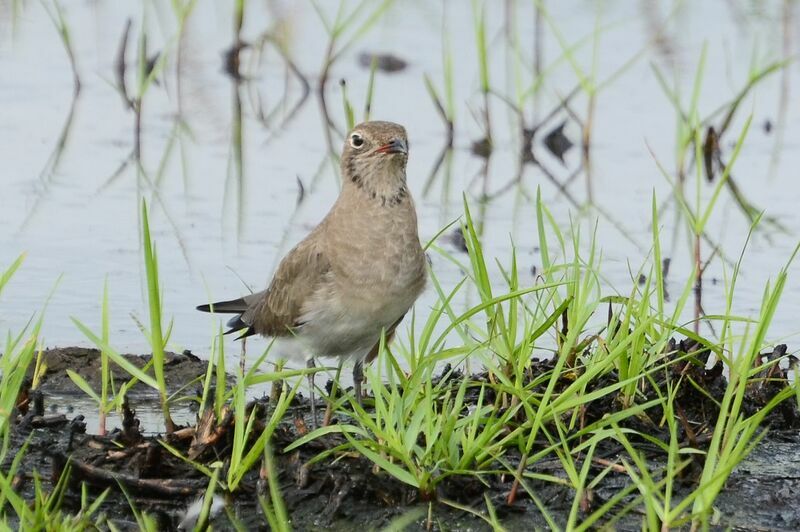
377,271
377,260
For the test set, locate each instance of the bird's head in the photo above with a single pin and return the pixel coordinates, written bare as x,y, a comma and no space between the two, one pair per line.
375,156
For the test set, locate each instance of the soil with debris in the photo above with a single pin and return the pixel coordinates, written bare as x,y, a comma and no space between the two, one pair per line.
180,369
345,491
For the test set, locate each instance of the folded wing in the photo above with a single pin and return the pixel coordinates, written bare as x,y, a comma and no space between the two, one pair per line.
276,310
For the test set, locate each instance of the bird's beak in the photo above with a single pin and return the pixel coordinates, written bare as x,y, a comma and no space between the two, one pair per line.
395,146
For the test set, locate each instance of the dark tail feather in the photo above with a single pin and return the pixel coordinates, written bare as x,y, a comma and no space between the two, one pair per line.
247,332
237,324
234,306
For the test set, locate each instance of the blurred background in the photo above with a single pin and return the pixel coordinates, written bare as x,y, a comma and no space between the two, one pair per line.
227,117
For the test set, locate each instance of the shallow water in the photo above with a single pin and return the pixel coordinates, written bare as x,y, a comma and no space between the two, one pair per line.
64,202
147,408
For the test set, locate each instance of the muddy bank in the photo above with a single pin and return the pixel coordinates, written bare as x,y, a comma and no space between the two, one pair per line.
348,494
181,369
762,492
346,491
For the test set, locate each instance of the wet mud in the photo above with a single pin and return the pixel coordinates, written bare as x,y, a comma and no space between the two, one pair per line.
180,369
346,491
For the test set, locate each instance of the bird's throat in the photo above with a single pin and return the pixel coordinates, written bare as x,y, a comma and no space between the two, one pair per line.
384,184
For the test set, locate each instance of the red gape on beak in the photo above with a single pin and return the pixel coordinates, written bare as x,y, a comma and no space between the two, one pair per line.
395,146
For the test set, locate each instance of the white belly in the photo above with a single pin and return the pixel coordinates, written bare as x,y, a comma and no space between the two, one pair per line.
349,326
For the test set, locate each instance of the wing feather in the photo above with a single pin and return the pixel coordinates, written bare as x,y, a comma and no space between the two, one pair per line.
298,276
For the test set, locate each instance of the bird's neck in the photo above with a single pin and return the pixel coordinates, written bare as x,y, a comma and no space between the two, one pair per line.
384,184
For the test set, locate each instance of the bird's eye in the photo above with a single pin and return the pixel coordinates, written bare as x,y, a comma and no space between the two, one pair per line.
356,140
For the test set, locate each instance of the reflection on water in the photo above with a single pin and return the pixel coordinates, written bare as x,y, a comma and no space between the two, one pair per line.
147,410
241,121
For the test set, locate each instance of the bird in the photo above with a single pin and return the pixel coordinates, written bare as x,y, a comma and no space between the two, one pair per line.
354,277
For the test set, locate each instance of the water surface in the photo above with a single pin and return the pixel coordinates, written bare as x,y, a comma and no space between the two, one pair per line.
225,210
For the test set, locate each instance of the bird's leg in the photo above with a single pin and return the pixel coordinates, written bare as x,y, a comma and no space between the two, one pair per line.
243,355
358,377
312,394
326,419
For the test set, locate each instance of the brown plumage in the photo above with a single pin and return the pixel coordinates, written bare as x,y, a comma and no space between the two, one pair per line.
358,272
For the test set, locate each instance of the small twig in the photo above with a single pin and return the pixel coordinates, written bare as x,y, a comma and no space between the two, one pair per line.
611,465
97,476
512,494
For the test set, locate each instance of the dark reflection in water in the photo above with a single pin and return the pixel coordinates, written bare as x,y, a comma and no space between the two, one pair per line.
207,112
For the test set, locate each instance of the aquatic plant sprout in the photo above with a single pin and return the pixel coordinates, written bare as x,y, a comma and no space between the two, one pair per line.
424,426
527,379
420,430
